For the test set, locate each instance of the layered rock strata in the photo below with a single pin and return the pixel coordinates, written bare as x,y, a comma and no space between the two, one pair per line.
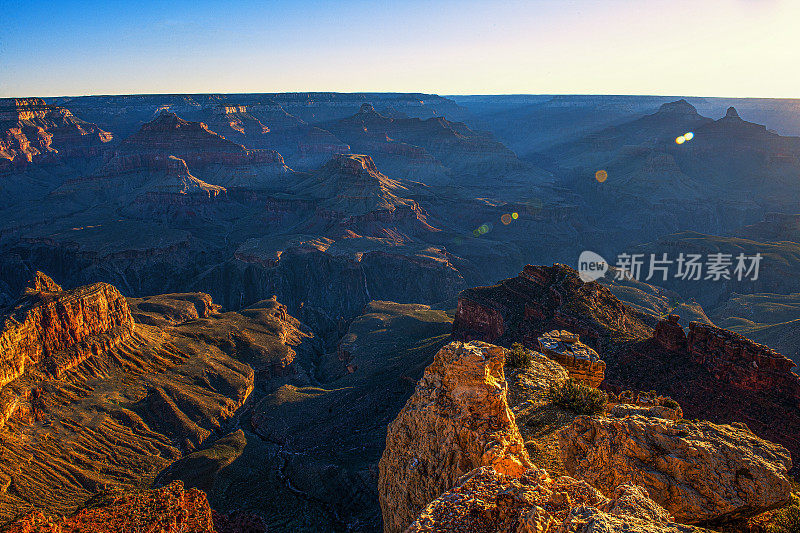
457,419
56,329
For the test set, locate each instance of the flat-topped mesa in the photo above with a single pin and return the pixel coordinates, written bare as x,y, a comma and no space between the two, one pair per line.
581,362
55,330
457,419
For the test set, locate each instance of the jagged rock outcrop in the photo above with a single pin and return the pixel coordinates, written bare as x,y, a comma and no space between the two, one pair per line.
170,509
542,299
457,419
57,330
487,501
737,360
582,363
699,471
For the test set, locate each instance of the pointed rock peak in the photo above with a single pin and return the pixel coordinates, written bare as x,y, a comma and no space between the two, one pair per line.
41,282
367,108
678,107
166,120
352,164
732,113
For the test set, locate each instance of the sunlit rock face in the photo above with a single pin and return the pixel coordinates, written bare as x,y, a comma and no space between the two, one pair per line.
31,131
57,330
457,419
170,509
699,471
582,363
485,500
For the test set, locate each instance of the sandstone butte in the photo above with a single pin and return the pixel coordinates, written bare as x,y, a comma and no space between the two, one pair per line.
56,330
457,419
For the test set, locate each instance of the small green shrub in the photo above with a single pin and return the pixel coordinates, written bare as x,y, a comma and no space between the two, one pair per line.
518,356
786,520
577,397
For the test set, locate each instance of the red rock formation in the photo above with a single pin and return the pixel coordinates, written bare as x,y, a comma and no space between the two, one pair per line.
57,330
170,509
487,501
738,361
714,374
542,299
31,130
458,419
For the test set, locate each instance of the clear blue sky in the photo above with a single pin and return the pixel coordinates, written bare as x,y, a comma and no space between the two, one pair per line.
697,47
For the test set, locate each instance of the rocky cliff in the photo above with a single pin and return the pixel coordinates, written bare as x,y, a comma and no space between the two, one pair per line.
487,501
457,419
713,373
32,130
55,330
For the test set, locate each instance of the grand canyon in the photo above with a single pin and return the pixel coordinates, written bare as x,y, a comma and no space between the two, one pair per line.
245,312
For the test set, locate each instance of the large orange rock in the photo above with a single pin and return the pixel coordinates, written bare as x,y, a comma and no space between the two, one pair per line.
700,472
457,419
487,501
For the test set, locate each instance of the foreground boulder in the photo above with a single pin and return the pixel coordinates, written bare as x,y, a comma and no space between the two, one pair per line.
700,472
170,509
457,419
485,500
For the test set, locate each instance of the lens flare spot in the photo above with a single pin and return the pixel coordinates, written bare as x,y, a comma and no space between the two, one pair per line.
506,219
680,140
601,176
688,136
515,216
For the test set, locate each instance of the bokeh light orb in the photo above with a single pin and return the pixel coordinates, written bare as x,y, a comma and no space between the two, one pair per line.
506,219
680,140
688,136
515,216
601,176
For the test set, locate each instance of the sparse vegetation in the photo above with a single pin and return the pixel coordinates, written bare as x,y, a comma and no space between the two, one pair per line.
519,356
786,520
577,397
